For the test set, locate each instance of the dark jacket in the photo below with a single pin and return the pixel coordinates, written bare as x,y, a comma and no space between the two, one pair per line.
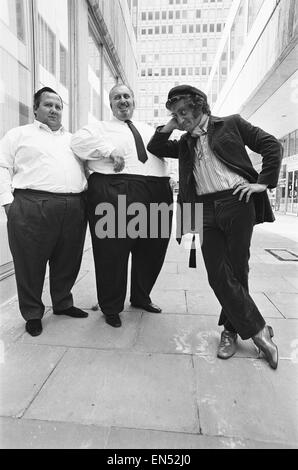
227,138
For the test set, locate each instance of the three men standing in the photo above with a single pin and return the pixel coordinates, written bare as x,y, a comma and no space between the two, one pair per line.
46,212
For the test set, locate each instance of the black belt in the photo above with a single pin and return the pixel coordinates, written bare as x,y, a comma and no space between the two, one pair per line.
36,192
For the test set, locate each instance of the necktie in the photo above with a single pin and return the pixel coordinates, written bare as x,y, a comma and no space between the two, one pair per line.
141,151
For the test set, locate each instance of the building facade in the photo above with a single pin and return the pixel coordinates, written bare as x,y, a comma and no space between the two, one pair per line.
177,42
259,52
81,48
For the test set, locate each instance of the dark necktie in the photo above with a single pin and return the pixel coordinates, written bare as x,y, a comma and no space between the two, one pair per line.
141,151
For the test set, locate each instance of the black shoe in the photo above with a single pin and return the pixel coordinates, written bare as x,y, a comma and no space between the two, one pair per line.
34,327
265,344
72,312
113,320
148,307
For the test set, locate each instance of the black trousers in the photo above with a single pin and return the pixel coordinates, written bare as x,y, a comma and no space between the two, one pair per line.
111,254
227,231
46,227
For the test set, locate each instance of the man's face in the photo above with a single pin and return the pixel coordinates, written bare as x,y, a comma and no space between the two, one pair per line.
122,103
49,111
185,115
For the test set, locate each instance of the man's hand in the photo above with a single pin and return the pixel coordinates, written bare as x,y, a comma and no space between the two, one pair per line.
170,126
248,189
118,161
6,208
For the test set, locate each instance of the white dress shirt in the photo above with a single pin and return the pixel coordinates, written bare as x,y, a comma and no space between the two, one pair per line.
211,174
95,143
35,157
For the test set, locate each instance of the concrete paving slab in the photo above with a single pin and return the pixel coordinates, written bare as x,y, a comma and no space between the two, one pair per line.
22,374
91,332
147,439
293,280
120,389
84,291
287,304
170,301
184,281
286,338
170,267
189,334
266,307
270,283
247,399
36,434
202,303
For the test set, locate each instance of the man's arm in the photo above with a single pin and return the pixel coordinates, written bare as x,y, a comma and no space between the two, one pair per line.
6,170
267,146
88,144
160,145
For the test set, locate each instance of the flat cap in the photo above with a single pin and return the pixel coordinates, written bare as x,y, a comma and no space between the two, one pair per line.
181,90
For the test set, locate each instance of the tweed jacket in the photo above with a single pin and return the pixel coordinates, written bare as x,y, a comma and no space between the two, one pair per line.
227,137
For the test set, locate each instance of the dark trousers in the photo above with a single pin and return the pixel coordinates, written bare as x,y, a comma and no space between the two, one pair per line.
45,227
227,231
111,254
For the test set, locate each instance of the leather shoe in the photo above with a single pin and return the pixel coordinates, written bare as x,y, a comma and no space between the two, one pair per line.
148,307
113,320
72,312
34,327
265,344
227,346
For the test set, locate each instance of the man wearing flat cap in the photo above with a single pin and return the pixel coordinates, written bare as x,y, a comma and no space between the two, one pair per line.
215,170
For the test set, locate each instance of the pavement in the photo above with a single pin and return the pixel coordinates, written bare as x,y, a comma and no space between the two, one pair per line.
156,383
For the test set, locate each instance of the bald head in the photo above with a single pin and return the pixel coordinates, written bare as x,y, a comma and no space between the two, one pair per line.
122,102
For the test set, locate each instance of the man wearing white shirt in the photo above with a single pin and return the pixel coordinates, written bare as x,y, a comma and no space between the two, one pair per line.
115,154
41,189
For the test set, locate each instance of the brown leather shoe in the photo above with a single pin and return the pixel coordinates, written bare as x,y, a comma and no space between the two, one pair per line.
227,346
265,344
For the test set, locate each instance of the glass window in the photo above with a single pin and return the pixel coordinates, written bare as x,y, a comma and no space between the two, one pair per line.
171,29
204,42
292,144
191,28
253,10
163,29
156,29
177,14
205,28
144,16
171,15
211,28
198,13
63,66
184,28
218,27
176,71
170,71
184,14
164,15
198,28
156,99
150,15
157,15
47,48
237,33
183,71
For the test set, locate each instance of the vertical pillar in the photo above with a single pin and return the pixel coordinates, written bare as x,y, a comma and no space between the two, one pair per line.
78,66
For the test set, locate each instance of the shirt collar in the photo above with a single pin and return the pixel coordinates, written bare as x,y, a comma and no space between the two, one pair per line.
41,125
202,127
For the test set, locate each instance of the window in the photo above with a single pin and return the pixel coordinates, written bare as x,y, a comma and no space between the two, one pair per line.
198,28
143,58
150,31
218,27
191,28
171,15
47,50
204,42
197,71
164,15
184,28
143,31
177,14
143,73
63,66
163,72
157,15
150,15
204,71
163,29
211,28
183,71
149,72
204,57
190,70
170,71
156,29
205,28
144,16
156,99
170,29
184,14
198,13
176,71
